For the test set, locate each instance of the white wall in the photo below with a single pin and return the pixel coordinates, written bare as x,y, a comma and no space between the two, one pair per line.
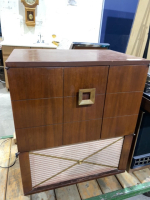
70,23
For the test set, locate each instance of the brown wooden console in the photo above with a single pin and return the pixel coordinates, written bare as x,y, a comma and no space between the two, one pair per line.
75,113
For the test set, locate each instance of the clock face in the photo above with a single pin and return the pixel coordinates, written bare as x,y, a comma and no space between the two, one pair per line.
30,2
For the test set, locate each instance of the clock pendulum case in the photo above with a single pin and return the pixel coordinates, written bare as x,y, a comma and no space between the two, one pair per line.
30,6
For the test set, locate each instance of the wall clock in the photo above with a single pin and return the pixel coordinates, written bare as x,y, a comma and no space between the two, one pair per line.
30,6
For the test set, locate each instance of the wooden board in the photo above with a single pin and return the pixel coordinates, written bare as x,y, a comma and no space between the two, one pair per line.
143,175
22,198
134,178
67,193
140,28
71,58
89,189
109,184
4,161
14,183
14,138
127,180
48,195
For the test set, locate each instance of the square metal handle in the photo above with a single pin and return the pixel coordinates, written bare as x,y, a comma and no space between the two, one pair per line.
89,101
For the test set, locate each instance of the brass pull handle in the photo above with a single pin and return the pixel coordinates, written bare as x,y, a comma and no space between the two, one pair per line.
89,101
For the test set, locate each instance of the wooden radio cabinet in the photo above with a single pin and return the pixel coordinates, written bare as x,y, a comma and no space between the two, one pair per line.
75,113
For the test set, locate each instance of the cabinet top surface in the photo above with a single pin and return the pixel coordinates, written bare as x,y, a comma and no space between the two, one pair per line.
68,58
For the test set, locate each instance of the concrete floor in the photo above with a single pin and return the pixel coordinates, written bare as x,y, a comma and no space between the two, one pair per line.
7,124
6,116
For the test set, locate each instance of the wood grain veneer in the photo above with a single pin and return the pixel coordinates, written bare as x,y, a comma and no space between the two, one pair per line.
37,112
118,126
74,112
70,58
7,50
125,152
73,181
25,171
35,83
41,137
126,78
44,87
81,131
84,78
119,104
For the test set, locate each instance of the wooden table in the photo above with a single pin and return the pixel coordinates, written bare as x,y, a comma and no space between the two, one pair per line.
116,187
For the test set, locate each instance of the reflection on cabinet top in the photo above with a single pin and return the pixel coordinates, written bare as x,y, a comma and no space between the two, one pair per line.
70,58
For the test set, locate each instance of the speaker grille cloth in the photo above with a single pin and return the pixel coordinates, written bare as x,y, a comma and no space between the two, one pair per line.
54,169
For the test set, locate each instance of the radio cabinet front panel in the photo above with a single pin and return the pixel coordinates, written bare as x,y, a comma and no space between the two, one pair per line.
123,98
75,113
118,126
75,132
38,112
57,167
35,83
127,78
76,127
76,78
120,104
37,101
39,137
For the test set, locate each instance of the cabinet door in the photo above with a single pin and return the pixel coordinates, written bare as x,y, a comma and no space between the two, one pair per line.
35,83
123,98
7,50
83,122
76,78
81,131
118,126
37,101
121,104
38,112
127,78
74,112
40,137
